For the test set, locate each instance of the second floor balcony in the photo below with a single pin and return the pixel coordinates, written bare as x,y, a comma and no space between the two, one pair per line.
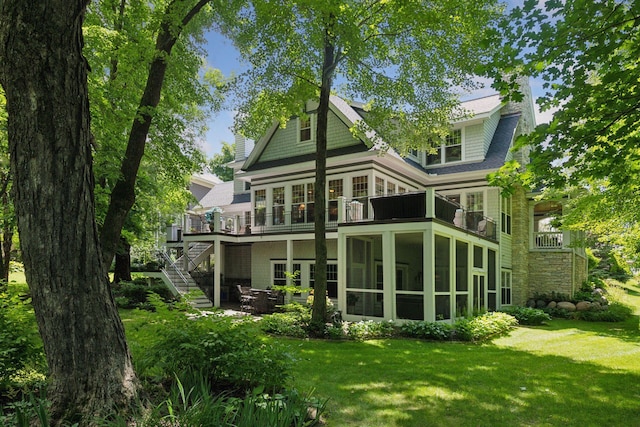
389,208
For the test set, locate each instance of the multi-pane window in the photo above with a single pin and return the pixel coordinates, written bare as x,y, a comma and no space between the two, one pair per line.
475,209
260,206
449,150
297,203
506,215
360,191
379,186
278,205
332,279
335,191
279,277
401,190
305,129
302,203
391,188
506,287
453,146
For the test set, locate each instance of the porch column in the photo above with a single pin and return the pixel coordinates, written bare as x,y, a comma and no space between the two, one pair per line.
217,270
430,200
427,262
289,260
342,204
216,221
388,273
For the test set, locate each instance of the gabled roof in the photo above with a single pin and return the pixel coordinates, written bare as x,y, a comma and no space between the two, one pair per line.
341,108
222,195
482,106
496,155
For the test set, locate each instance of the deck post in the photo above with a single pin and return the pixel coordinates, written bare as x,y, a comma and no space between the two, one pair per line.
430,209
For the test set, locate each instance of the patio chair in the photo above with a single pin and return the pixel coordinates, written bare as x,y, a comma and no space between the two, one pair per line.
246,299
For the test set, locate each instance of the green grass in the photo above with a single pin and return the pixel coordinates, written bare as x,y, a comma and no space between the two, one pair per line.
566,373
563,375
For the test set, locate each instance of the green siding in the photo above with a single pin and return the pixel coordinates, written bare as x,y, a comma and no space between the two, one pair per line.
284,142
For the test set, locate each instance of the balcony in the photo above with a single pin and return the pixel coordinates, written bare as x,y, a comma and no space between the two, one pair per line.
395,207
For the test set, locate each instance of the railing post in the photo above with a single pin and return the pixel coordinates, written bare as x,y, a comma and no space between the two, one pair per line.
342,204
216,221
430,200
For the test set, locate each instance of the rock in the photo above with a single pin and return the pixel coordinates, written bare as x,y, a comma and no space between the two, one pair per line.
566,305
596,306
531,303
604,301
583,306
541,304
552,304
597,291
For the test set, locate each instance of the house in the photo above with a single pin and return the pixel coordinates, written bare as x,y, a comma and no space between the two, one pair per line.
421,237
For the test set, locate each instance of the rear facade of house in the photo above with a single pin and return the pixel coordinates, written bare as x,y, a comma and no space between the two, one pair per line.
420,237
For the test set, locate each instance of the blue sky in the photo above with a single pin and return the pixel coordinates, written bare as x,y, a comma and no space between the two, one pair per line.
222,55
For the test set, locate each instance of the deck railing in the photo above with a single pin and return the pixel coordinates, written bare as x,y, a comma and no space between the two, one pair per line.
414,205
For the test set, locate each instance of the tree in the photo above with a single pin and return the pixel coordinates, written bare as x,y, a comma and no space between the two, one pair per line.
44,76
218,163
7,217
175,16
586,53
408,59
120,38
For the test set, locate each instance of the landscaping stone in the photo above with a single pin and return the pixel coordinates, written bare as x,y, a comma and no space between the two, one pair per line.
552,304
583,306
566,305
541,304
596,306
531,303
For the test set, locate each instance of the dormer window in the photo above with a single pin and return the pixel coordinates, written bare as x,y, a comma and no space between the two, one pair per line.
450,150
304,129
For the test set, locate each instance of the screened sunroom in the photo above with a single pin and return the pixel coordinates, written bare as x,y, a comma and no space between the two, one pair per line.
424,269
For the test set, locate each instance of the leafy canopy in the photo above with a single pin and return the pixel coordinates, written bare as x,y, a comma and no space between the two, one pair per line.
408,60
587,54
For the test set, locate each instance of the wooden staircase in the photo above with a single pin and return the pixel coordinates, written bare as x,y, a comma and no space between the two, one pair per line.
177,277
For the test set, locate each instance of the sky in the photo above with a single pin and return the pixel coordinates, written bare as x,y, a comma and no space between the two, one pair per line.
223,56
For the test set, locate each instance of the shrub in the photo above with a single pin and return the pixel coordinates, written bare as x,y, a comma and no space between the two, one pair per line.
482,327
136,294
286,324
231,354
20,343
369,329
427,330
615,312
528,315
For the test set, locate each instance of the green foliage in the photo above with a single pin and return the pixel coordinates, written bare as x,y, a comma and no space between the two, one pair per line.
586,53
528,315
289,323
437,331
219,161
369,329
485,326
229,352
136,295
21,349
614,312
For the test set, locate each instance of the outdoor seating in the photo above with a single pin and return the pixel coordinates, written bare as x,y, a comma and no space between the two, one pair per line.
246,298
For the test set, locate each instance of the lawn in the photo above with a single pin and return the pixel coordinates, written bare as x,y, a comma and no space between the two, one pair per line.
566,373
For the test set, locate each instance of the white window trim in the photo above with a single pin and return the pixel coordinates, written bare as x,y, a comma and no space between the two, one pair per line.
442,148
312,123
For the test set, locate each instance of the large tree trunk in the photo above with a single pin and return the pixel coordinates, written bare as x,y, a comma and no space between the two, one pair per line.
319,312
122,269
44,76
